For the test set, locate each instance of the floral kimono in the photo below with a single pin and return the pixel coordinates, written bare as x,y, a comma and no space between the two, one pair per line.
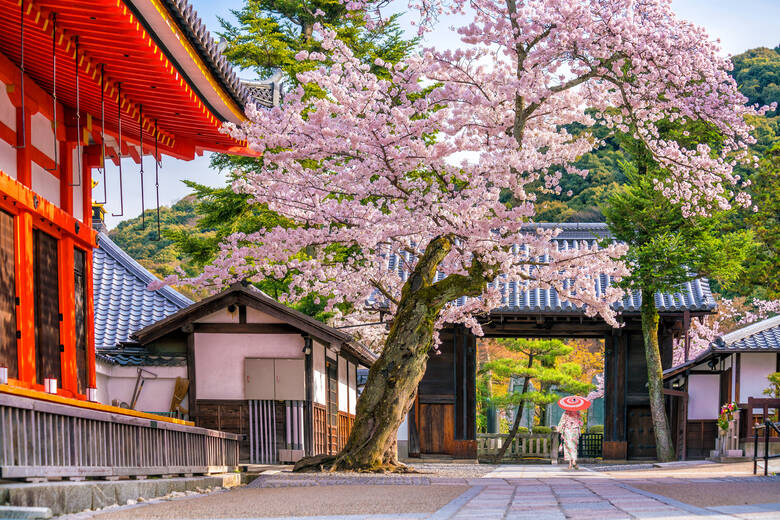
569,427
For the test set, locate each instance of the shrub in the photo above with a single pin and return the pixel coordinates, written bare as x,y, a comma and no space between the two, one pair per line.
596,428
542,429
522,429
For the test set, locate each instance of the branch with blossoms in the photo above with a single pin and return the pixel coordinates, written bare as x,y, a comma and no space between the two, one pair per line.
732,314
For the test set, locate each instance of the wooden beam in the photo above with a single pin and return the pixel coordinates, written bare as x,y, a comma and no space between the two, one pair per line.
245,328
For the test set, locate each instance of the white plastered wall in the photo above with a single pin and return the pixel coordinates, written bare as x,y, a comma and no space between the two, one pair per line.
255,316
704,396
343,395
116,382
42,134
46,184
221,316
8,118
219,360
320,376
755,367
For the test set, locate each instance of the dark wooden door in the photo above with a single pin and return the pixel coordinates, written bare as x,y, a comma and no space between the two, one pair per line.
725,386
80,297
641,439
435,428
331,367
701,437
47,307
8,351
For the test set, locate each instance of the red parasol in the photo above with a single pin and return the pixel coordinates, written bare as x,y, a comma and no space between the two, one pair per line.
573,403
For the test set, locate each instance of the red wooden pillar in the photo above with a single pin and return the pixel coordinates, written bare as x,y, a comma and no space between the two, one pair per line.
67,299
25,311
90,318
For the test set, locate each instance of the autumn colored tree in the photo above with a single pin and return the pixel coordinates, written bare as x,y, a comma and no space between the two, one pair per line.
539,363
410,169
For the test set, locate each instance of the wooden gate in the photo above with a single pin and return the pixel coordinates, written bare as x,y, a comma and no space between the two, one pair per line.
8,354
641,439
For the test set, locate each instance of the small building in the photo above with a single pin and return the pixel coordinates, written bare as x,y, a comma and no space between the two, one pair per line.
733,369
127,375
259,368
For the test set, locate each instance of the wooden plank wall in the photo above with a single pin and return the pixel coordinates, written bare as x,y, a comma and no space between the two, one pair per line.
8,348
226,416
700,438
79,275
47,320
320,429
346,421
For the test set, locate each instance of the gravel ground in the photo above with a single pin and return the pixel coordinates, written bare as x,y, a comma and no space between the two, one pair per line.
280,502
423,474
709,494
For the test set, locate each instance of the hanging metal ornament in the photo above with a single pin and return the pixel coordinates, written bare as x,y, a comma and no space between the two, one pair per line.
21,45
78,118
119,152
141,160
102,132
157,163
54,85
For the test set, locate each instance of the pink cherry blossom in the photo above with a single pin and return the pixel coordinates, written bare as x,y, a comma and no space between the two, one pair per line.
382,167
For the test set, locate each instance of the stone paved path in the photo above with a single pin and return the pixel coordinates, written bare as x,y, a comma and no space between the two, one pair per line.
516,492
552,493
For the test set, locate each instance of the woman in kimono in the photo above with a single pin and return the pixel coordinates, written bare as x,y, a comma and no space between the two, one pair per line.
570,427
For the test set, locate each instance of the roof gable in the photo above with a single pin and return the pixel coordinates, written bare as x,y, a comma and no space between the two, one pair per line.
761,336
250,296
123,305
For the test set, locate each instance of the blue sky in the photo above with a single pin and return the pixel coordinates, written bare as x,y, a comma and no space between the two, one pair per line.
740,25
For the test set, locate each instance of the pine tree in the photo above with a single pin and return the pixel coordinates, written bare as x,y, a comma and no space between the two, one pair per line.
541,363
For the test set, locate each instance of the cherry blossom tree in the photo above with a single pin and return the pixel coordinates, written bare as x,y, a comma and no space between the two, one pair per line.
399,186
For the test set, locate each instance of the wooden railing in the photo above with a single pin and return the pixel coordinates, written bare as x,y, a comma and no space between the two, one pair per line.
47,439
523,446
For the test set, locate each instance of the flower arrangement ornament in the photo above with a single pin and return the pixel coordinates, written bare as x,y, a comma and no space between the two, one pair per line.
727,415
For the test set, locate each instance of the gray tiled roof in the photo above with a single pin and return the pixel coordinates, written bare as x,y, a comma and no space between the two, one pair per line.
208,50
760,336
123,305
130,356
692,296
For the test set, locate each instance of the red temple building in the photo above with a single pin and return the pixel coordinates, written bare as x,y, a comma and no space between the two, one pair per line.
84,83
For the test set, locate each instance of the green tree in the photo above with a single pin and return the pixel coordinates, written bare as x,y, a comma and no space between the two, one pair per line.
541,363
760,279
667,249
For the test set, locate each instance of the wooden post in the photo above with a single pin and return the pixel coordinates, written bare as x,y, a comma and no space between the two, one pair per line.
67,301
308,418
25,311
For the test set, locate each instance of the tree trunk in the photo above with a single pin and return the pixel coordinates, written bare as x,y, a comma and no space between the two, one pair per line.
663,436
393,378
516,426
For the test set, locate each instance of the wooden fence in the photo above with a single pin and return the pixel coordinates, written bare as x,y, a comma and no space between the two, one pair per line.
523,446
46,439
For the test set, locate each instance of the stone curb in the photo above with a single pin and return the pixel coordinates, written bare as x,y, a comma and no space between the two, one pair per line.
66,497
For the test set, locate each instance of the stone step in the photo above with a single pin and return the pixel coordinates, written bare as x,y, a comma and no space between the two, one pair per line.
7,512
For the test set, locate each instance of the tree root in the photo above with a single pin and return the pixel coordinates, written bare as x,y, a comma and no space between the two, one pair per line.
342,462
